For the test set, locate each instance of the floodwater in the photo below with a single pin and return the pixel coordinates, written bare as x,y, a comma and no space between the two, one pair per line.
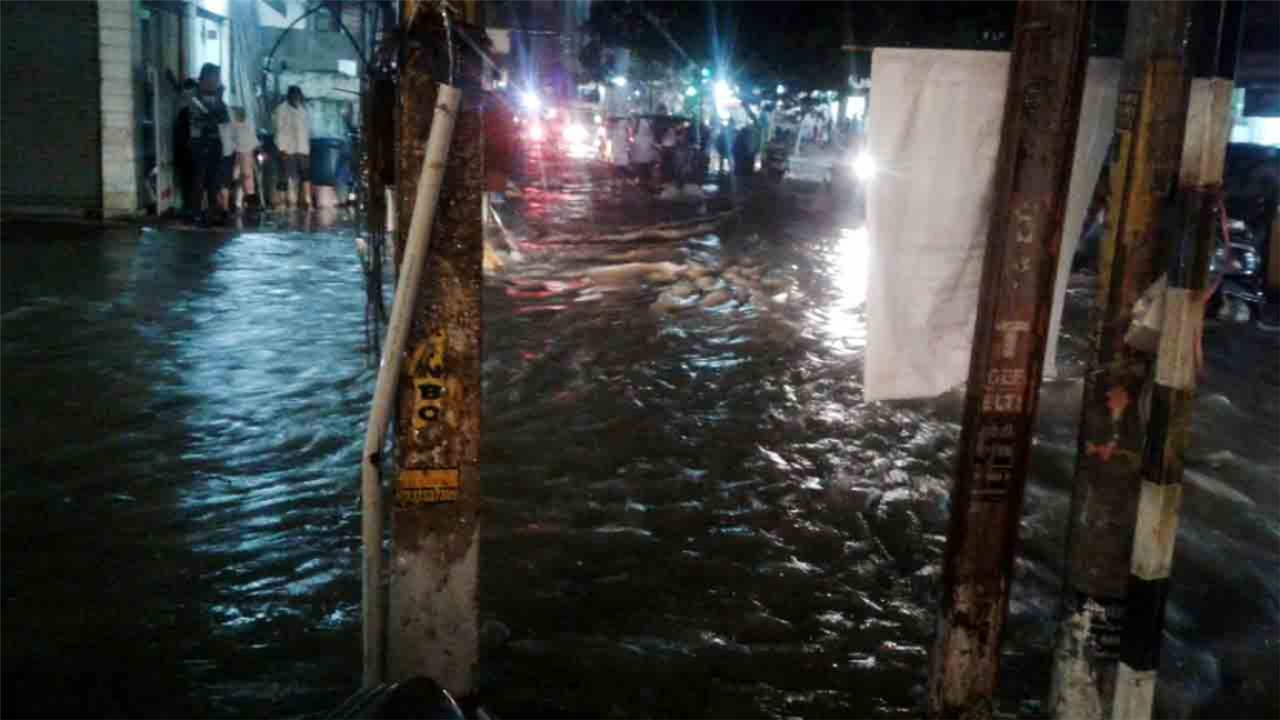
690,509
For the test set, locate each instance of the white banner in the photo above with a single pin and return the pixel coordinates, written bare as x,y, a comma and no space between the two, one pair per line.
934,130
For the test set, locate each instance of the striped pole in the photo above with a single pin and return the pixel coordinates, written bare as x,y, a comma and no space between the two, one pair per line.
1208,126
1104,495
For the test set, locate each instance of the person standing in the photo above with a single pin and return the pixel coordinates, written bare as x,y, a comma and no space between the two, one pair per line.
724,143
619,146
246,144
668,155
744,151
644,152
183,163
293,140
227,173
208,114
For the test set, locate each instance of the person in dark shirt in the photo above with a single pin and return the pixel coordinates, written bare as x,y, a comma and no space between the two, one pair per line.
182,161
208,112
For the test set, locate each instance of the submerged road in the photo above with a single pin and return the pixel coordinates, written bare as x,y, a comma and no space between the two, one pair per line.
691,511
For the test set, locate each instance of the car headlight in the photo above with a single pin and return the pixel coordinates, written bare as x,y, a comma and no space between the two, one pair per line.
865,167
575,133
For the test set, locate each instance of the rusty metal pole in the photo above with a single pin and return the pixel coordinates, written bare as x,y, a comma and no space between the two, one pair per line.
1143,169
1042,106
1216,30
433,614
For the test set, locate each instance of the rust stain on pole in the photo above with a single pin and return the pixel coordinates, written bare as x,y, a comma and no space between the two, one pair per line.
1046,80
433,626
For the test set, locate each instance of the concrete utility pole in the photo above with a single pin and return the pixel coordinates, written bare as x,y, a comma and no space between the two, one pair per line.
1215,41
433,615
1042,107
1142,172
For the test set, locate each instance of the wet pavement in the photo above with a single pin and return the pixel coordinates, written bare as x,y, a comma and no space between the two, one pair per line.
690,509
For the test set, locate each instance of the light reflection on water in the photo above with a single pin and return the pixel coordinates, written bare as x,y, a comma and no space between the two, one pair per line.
850,262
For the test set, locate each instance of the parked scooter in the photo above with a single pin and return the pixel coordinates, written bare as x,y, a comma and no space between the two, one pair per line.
1239,294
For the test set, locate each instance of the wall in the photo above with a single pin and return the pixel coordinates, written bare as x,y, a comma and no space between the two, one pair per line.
160,52
49,106
120,55
207,45
282,13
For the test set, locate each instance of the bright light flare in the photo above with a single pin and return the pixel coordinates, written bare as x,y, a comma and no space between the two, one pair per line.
619,81
535,132
575,133
530,101
722,95
865,167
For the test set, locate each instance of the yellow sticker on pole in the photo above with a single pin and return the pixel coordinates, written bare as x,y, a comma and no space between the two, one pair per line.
429,383
422,487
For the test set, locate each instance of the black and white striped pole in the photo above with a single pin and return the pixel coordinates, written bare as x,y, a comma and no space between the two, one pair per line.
1142,173
1216,27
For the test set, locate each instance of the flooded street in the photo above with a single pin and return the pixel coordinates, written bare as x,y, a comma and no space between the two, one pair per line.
690,509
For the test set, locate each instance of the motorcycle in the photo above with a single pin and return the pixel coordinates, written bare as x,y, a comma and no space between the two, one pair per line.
1240,290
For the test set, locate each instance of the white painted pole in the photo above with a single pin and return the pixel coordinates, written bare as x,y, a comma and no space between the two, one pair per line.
374,609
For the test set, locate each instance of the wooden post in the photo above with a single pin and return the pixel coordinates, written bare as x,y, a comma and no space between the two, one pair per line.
1216,32
1046,80
1143,170
433,613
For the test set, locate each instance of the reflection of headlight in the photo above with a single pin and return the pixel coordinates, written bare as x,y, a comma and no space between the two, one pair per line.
575,133
865,167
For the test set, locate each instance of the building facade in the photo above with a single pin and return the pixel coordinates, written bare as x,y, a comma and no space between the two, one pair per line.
69,98
89,89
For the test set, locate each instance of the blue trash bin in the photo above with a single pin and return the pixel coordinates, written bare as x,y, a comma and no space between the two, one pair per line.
326,155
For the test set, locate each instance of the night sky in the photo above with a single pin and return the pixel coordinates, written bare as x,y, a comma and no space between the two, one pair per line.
801,43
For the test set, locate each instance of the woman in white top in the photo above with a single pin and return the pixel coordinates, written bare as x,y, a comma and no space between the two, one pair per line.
643,151
246,143
293,140
619,145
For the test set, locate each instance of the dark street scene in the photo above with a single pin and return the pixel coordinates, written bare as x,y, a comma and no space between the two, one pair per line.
639,358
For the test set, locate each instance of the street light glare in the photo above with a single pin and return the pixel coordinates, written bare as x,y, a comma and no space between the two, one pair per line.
530,100
619,81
